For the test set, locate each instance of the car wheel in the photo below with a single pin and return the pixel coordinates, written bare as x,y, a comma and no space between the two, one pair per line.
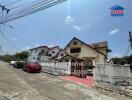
23,69
28,70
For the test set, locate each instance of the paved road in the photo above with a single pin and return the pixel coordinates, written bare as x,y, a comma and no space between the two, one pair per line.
18,85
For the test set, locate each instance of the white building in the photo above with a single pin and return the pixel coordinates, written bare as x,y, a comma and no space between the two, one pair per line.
42,53
46,56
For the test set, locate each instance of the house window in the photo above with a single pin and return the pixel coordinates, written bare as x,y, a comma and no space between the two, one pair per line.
67,60
75,43
47,52
50,55
53,51
75,50
62,55
43,51
38,58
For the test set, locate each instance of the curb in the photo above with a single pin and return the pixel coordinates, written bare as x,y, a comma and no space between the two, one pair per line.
114,91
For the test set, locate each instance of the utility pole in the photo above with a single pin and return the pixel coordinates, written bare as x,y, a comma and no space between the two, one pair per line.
130,38
130,43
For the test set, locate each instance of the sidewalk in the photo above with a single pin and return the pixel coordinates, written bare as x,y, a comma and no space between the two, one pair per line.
115,88
88,81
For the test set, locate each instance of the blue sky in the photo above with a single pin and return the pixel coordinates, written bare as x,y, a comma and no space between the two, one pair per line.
88,20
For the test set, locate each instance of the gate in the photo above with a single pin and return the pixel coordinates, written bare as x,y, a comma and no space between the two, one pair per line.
77,69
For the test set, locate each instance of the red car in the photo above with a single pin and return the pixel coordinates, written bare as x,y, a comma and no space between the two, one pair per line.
32,67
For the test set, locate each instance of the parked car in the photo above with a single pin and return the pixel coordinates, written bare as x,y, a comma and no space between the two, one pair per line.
19,64
89,72
13,63
32,67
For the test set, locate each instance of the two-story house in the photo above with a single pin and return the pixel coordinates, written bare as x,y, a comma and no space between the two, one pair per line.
42,53
77,49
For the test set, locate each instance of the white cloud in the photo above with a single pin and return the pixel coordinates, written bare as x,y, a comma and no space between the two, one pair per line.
76,27
36,45
113,32
69,20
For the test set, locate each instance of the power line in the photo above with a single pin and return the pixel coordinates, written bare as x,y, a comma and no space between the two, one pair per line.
22,5
10,43
33,4
34,7
11,3
4,36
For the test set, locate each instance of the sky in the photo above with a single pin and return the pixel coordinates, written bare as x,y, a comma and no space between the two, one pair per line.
88,20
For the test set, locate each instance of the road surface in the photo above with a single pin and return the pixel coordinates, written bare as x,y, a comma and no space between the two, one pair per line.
16,84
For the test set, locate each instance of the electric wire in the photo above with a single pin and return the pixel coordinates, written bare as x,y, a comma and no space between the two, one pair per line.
22,5
4,36
35,7
32,6
32,9
11,3
26,8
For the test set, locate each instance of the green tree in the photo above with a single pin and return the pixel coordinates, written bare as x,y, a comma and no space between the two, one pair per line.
123,60
16,57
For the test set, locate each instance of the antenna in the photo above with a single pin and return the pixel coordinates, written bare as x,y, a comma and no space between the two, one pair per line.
130,38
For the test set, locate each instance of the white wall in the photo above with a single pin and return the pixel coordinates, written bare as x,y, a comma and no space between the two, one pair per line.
112,73
56,68
33,54
47,58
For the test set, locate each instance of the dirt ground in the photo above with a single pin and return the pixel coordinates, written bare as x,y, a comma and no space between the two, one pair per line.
16,84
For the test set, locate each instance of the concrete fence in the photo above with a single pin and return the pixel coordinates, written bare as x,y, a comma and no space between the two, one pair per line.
111,73
56,68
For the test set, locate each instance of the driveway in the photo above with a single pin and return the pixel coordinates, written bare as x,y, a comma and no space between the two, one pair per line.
18,85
